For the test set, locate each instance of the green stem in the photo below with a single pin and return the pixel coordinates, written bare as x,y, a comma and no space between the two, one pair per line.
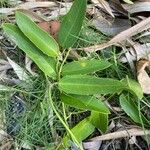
60,69
61,120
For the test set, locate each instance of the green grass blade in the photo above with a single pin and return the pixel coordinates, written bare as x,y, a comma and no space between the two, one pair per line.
72,23
88,85
39,37
85,102
44,62
84,66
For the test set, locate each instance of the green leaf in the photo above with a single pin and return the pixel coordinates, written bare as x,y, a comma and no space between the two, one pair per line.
88,85
99,120
131,110
84,66
39,37
72,23
128,1
81,131
133,87
85,102
45,63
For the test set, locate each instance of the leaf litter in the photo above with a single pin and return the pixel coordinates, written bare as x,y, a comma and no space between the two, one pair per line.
131,34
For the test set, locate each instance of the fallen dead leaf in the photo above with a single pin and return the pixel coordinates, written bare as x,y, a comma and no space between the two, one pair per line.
121,37
142,75
111,27
51,27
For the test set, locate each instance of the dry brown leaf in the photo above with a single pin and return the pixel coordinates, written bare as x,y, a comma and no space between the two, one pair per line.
136,52
121,37
27,5
117,7
51,27
142,75
137,7
111,27
106,6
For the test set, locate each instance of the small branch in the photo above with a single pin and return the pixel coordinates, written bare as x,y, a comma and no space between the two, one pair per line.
121,134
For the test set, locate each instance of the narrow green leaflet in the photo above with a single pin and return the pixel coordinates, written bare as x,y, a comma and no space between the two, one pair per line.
131,110
133,87
88,85
39,37
99,120
45,63
72,23
81,131
84,66
85,102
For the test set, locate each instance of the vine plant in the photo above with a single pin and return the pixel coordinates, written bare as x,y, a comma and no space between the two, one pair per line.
75,80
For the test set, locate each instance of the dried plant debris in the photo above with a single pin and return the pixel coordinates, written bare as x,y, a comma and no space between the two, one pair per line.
34,112
143,67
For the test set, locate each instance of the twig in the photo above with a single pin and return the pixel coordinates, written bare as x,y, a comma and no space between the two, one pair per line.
121,37
121,134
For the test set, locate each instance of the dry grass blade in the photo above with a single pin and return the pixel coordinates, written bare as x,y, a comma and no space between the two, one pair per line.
106,7
27,5
121,134
121,37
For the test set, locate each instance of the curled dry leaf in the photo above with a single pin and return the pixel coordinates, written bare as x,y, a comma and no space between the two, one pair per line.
137,7
105,5
136,52
142,75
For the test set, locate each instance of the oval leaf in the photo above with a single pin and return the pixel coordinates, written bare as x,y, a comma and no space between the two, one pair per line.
133,87
88,85
84,66
85,102
72,23
45,63
39,37
131,110
99,120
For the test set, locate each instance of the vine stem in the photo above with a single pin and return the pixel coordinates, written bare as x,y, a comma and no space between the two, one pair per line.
60,118
60,69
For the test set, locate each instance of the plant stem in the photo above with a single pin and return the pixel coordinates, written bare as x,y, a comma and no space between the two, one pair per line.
60,118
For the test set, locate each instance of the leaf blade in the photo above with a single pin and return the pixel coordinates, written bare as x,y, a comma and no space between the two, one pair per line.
39,37
87,85
84,67
42,61
85,102
99,120
131,110
72,23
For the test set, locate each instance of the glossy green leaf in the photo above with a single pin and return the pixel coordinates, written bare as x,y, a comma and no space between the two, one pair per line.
99,120
88,85
84,66
133,87
85,102
131,110
81,131
39,37
44,62
72,23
